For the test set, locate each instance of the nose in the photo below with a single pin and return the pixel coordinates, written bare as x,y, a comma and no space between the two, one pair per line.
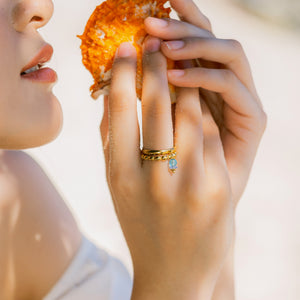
31,13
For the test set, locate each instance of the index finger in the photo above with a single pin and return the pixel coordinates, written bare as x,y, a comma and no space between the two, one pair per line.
124,134
189,12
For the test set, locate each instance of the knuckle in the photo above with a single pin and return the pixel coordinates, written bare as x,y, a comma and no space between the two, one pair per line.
158,191
102,131
188,107
122,67
219,191
263,120
191,116
155,109
154,62
120,101
208,23
210,128
260,118
119,63
193,197
160,195
103,126
192,191
236,46
228,79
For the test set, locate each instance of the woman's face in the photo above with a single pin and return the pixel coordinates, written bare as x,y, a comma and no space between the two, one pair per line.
30,114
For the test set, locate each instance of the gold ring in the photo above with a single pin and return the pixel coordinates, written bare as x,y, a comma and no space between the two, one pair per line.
158,152
161,155
158,157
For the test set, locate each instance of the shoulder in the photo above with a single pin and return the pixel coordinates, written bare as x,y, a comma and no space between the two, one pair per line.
37,229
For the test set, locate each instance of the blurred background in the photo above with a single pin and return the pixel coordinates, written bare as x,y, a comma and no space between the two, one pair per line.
268,226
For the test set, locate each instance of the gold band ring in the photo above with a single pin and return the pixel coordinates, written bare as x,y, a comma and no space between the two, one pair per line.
160,155
159,152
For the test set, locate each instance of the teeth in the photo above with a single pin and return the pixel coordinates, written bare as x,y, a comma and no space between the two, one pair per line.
35,68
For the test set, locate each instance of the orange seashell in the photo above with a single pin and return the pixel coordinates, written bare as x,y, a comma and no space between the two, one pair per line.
112,23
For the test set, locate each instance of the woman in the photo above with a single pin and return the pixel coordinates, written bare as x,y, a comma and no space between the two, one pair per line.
179,226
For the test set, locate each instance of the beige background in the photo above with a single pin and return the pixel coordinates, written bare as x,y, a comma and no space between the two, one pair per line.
268,243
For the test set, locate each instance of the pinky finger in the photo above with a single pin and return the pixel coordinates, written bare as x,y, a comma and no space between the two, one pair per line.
222,81
188,11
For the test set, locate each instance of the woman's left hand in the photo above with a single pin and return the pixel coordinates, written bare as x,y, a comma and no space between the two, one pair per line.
227,76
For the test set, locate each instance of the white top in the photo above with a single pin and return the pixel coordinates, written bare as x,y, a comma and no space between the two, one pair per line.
93,274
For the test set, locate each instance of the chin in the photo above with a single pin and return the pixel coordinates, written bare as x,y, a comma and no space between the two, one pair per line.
36,131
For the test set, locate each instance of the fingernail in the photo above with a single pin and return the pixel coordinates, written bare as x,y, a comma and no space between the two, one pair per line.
176,73
158,22
152,44
125,50
174,45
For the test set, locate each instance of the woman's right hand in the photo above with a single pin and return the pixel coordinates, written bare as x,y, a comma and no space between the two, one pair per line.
178,227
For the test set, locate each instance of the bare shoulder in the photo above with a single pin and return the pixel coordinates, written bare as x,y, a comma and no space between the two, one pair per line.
38,234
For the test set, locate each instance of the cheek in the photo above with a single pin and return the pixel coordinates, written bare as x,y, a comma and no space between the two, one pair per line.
8,75
9,58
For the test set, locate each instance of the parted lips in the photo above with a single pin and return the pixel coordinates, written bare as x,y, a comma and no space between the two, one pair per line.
112,23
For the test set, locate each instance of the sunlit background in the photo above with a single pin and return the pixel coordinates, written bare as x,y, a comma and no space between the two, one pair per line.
268,231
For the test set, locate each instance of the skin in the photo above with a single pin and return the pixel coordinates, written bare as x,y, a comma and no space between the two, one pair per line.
180,227
20,126
32,239
188,214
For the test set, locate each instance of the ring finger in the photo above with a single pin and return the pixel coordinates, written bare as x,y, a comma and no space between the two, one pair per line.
156,104
225,82
189,134
226,52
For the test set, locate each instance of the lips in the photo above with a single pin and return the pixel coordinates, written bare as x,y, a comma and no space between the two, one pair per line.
34,71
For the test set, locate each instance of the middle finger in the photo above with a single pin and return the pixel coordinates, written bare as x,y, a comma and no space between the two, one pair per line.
226,52
170,29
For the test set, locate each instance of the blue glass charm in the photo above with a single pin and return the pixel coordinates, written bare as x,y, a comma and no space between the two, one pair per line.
173,165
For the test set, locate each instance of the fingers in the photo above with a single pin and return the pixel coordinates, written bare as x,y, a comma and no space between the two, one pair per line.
188,132
123,121
216,171
199,43
156,103
104,130
170,29
226,52
214,159
189,12
222,81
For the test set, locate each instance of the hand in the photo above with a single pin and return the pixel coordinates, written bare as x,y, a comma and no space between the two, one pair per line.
226,83
178,227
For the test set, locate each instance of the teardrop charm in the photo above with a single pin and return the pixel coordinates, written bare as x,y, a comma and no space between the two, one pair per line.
173,165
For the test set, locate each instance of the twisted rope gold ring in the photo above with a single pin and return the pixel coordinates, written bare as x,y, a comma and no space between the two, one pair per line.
161,155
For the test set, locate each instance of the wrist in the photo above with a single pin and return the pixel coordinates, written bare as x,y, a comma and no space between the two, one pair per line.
224,288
